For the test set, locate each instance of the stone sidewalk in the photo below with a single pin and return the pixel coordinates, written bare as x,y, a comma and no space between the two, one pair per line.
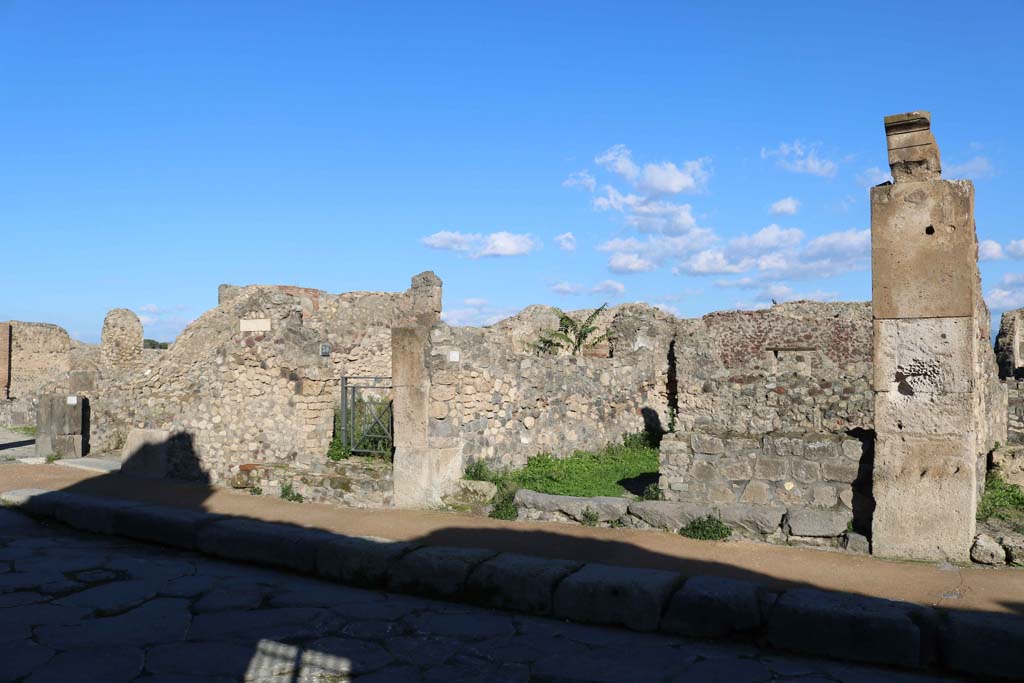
14,445
775,567
93,609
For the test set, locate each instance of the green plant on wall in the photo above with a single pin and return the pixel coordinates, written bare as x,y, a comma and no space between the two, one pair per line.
572,335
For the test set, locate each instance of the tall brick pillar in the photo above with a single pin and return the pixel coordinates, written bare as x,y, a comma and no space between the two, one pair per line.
5,361
934,369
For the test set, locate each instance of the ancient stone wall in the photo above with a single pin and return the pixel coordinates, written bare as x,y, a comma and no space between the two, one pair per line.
38,361
1010,345
1015,411
823,476
248,382
121,338
505,405
796,367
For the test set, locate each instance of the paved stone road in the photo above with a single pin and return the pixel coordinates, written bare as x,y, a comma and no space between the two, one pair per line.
82,608
14,445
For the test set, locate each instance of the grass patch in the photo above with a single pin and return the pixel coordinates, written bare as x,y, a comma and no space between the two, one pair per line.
52,457
584,473
1002,501
338,451
27,430
706,529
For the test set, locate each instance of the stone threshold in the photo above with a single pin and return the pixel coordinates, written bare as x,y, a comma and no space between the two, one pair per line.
804,620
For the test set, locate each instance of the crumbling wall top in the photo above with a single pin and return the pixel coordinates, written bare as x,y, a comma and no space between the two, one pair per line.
913,154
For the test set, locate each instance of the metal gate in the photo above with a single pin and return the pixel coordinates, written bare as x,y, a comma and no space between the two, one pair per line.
365,422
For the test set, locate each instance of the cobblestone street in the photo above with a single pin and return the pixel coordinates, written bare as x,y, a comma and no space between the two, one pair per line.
76,607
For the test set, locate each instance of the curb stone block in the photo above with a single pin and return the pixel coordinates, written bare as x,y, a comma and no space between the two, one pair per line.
845,626
266,543
35,502
522,583
167,526
758,519
602,594
607,508
819,523
359,561
711,606
664,514
982,644
90,513
435,571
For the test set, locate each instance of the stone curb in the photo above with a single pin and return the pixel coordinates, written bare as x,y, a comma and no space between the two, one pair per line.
804,620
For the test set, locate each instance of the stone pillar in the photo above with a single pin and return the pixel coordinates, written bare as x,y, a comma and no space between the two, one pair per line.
1010,345
5,361
121,338
423,471
934,370
62,426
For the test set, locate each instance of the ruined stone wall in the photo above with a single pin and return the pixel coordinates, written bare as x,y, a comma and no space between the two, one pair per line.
798,367
505,405
246,383
1015,410
38,361
1010,345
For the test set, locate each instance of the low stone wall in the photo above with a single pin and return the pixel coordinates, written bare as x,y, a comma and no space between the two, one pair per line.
814,477
355,482
1015,411
773,524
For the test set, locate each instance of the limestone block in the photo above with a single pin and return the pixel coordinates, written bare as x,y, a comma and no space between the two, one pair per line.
923,256
925,497
602,594
913,154
91,513
757,519
987,550
359,561
817,523
712,607
596,508
144,455
857,543
982,644
663,514
521,583
845,626
707,444
168,526
278,545
1010,464
929,355
436,571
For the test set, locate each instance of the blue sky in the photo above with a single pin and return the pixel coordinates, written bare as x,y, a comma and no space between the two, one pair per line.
701,157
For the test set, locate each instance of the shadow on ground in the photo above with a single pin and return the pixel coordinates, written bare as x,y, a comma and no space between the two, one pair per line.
193,494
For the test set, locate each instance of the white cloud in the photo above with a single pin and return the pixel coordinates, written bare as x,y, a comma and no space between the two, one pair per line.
147,319
566,241
1012,280
767,238
477,245
845,243
990,250
667,178
452,241
975,167
1002,299
611,287
786,206
870,177
477,312
1015,248
647,215
799,157
627,262
580,179
507,244
566,288
618,159
148,308
712,262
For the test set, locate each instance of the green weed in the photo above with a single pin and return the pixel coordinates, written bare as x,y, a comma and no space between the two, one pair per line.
1003,501
290,494
706,529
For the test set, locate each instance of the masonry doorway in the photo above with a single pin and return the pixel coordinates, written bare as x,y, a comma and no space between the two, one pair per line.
365,420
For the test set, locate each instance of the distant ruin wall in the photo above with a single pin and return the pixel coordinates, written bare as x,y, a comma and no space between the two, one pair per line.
505,405
802,367
1015,410
37,360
